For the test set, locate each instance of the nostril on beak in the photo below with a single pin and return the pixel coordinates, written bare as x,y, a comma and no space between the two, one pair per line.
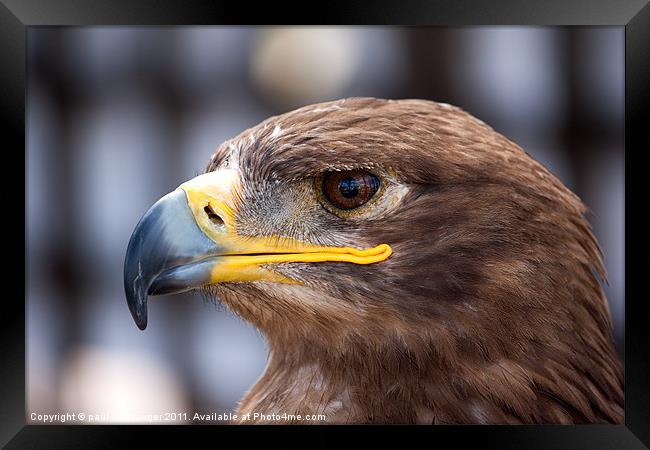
214,217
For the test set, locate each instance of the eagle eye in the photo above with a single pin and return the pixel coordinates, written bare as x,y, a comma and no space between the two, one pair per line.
349,189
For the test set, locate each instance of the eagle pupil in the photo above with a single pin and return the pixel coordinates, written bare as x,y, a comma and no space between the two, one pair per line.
349,187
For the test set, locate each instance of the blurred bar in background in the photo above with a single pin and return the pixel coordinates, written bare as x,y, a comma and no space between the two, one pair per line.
118,116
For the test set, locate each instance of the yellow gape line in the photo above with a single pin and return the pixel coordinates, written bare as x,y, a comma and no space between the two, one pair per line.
248,267
337,254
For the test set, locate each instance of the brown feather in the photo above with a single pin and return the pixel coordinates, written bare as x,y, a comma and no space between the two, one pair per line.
490,309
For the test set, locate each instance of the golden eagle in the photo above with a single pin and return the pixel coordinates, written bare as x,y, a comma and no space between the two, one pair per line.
405,263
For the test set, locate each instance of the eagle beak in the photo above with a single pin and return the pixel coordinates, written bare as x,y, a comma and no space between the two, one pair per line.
188,239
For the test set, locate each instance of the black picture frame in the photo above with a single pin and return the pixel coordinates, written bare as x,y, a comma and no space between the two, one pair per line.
634,15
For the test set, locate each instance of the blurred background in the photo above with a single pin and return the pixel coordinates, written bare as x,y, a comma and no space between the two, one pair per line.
119,116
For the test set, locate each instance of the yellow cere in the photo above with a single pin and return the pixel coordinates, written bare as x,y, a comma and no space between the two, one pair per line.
243,256
215,190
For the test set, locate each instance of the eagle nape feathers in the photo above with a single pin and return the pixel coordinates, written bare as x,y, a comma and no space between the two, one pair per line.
405,263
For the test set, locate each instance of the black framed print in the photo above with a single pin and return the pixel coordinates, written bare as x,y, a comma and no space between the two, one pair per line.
411,218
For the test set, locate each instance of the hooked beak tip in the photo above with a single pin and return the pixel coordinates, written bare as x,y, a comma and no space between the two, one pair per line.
141,322
137,302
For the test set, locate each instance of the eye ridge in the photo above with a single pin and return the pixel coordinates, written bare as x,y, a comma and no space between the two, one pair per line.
347,190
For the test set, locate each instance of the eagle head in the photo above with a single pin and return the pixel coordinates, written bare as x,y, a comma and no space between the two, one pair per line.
404,261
